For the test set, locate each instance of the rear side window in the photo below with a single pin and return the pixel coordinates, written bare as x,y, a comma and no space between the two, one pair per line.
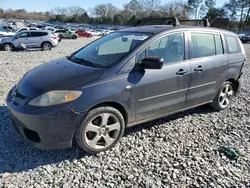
38,34
44,34
218,44
203,45
232,44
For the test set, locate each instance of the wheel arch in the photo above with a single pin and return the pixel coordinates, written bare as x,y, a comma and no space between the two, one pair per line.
115,105
235,83
46,42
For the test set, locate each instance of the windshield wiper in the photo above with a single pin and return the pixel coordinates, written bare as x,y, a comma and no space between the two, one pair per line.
86,62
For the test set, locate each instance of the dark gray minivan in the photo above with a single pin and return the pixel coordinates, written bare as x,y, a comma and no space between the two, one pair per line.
123,79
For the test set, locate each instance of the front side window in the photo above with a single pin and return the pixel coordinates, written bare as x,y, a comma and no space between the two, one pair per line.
23,35
232,44
202,45
170,48
110,49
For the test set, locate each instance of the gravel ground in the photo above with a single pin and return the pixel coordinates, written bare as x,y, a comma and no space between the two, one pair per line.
178,151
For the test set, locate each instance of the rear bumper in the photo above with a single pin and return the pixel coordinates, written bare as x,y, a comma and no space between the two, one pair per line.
44,128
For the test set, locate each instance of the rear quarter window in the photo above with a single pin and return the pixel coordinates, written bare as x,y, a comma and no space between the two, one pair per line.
233,45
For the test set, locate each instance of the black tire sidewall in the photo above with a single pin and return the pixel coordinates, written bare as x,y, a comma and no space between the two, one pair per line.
81,128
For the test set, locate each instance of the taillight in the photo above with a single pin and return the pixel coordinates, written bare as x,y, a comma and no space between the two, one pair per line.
54,38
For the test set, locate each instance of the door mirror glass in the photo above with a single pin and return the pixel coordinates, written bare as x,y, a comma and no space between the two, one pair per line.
152,62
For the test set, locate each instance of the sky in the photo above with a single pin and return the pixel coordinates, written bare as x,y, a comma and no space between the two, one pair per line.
46,5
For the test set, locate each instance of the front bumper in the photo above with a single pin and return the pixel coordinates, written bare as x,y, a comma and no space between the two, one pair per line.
45,128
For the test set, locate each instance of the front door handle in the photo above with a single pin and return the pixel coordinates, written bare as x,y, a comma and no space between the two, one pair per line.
199,68
181,72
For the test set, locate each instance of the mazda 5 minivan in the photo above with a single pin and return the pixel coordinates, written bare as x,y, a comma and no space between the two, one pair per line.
125,78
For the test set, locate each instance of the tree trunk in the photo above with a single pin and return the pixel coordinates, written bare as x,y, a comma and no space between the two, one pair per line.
247,16
241,17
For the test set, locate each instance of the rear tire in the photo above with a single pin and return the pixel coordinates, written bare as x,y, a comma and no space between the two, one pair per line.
224,96
46,46
8,47
74,37
100,130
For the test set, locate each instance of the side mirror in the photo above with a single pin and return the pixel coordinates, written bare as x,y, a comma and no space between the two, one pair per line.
152,62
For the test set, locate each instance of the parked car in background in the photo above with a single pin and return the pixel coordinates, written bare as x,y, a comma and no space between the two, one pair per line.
49,28
27,29
244,38
94,32
30,39
6,28
66,34
7,34
83,33
106,32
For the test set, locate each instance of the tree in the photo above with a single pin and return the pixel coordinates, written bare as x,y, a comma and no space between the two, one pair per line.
238,6
150,5
195,7
210,4
118,19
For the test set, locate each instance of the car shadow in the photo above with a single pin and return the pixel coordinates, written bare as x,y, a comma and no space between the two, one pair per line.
18,156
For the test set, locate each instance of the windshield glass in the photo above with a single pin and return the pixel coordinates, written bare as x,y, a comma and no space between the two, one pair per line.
109,49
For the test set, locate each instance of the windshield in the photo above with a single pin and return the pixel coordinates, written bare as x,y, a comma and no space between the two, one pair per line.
110,49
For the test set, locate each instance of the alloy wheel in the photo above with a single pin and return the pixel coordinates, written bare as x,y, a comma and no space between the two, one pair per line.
46,46
225,96
102,131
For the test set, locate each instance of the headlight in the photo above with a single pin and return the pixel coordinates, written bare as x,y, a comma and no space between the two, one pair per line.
55,97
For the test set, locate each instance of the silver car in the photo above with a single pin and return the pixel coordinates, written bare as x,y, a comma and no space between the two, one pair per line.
30,39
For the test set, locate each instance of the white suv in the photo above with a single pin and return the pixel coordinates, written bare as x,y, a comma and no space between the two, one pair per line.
30,39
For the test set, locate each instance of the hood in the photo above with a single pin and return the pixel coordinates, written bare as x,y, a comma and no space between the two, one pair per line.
60,74
6,39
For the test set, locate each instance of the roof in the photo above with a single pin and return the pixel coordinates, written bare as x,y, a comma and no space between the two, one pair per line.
148,29
153,29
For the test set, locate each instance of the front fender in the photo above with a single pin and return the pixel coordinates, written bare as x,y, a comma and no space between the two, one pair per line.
108,90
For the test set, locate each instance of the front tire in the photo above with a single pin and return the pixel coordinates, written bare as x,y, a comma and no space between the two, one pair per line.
100,130
8,47
74,37
223,97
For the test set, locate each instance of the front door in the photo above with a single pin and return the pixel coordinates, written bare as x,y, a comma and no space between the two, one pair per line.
208,67
22,38
162,91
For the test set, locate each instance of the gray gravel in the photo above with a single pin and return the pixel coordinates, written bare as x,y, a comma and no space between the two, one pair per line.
178,151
